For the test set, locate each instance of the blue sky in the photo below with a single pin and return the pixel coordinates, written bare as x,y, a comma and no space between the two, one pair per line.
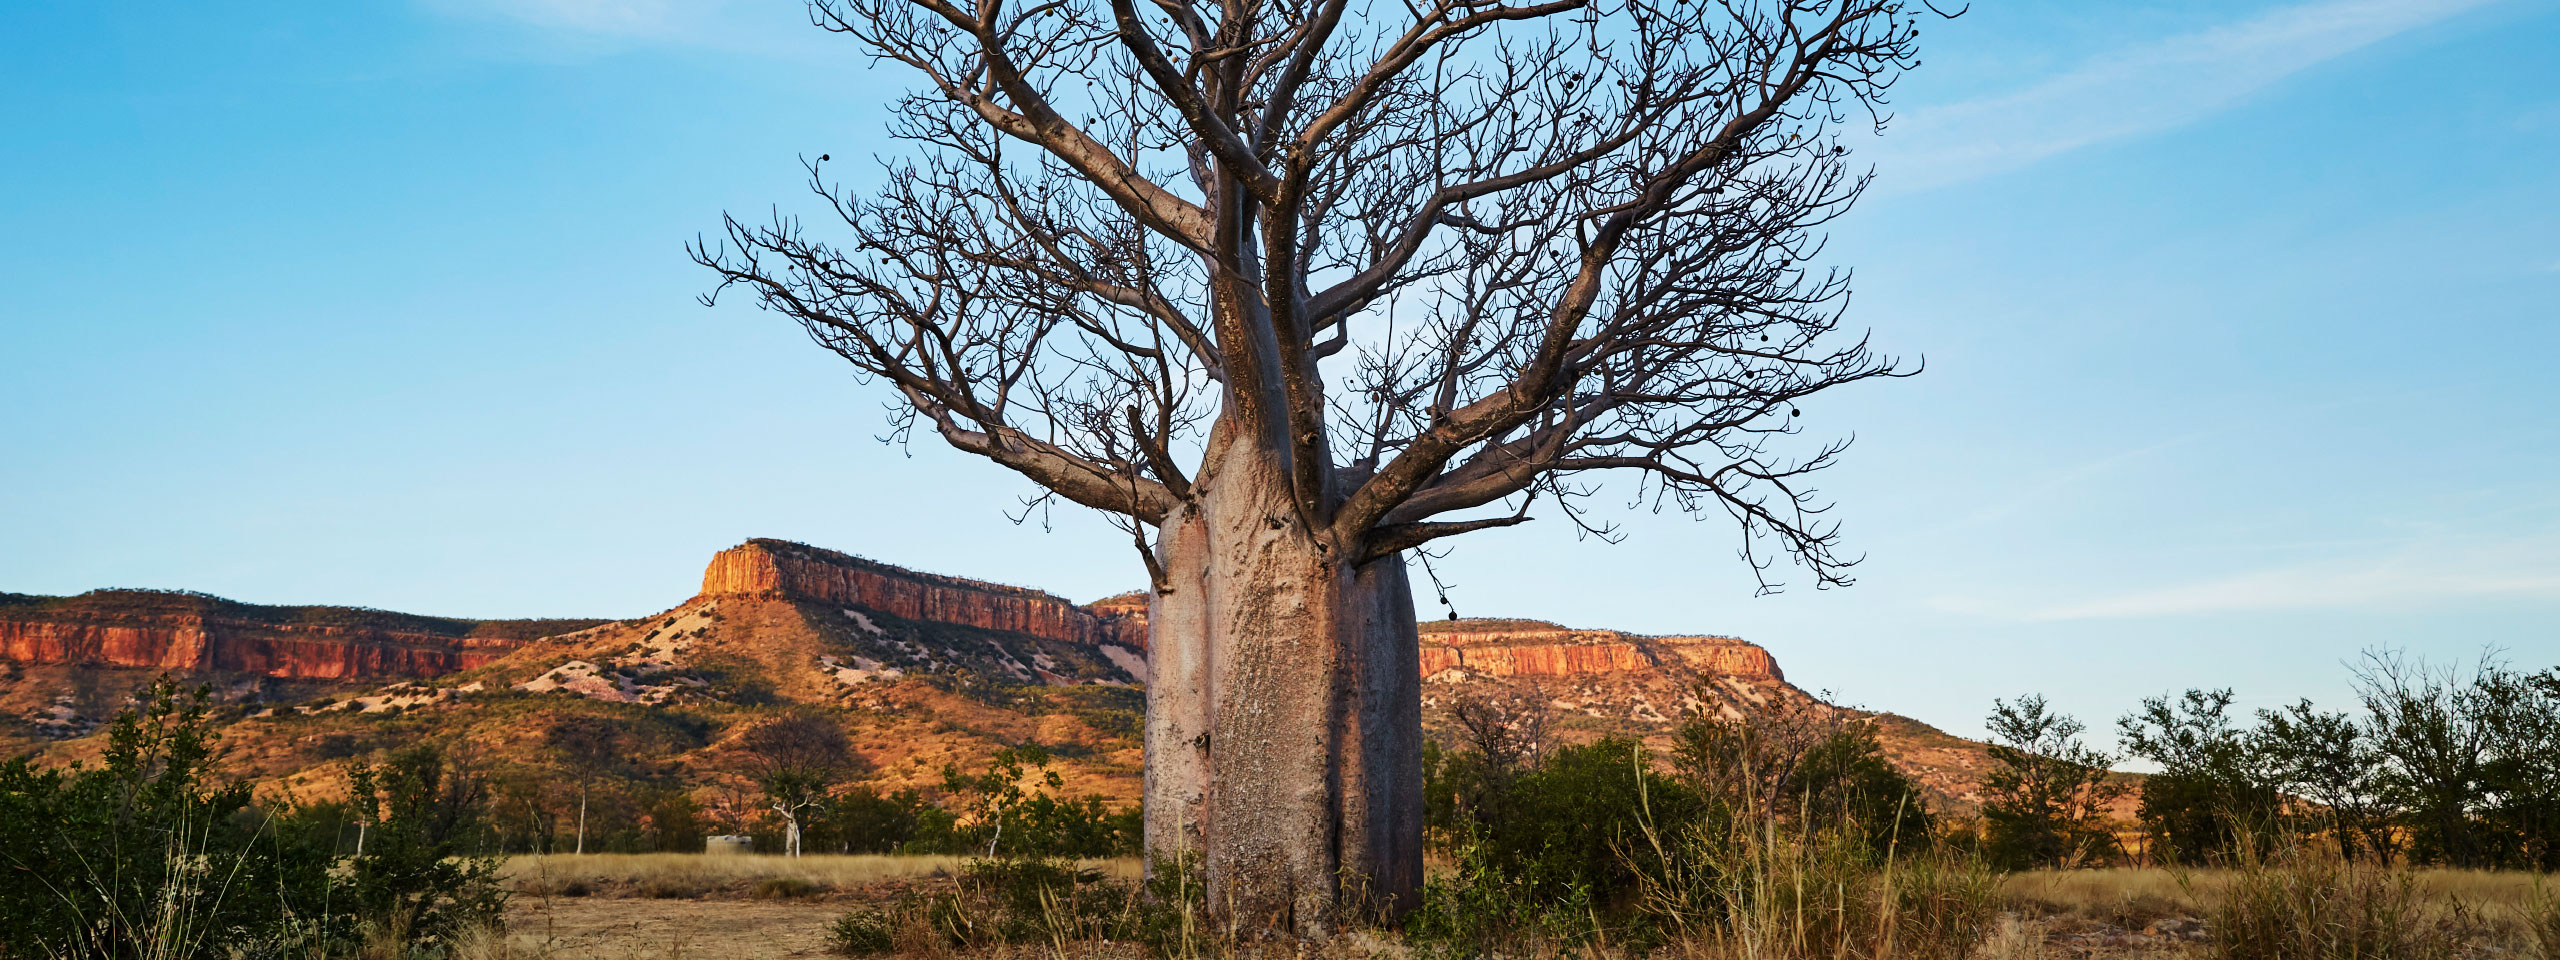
2238,320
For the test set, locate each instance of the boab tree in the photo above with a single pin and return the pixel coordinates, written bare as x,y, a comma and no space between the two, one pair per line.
1291,287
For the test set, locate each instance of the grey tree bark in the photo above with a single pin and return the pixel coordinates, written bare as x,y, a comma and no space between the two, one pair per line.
1283,712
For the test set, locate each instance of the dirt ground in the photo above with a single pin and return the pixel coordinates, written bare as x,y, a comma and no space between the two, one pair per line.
638,929
648,907
631,928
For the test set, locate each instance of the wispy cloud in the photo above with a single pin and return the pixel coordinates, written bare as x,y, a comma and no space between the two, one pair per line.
763,28
2402,575
623,18
2140,90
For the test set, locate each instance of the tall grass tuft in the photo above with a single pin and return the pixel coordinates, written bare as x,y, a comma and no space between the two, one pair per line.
2542,921
1766,893
1049,903
2303,903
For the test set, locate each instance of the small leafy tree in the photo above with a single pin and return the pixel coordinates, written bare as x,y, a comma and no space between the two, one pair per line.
2520,783
673,822
415,882
2046,802
2214,788
1014,808
2329,759
797,759
1846,781
2426,725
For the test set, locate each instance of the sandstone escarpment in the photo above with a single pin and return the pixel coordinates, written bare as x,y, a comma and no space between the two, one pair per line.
193,633
781,569
1529,649
1596,683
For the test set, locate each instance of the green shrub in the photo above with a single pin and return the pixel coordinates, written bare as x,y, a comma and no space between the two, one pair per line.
1563,830
1782,835
413,881
863,932
146,856
1475,908
788,888
1013,811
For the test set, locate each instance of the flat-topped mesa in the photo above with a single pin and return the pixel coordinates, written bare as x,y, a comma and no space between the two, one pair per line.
781,569
1530,648
199,634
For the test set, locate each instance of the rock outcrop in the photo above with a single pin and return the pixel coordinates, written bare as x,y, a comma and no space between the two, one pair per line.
1516,648
193,633
780,569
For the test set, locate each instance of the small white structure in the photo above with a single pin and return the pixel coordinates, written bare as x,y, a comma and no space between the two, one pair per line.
726,844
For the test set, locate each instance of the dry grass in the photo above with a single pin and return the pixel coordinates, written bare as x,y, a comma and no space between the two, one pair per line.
2053,914
2302,907
2150,893
684,876
656,930
2125,897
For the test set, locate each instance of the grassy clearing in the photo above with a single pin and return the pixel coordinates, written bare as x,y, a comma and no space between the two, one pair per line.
684,876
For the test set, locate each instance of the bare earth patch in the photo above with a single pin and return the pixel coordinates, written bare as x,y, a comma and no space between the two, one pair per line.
615,929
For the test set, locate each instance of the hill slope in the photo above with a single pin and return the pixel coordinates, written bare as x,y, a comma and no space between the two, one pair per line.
923,670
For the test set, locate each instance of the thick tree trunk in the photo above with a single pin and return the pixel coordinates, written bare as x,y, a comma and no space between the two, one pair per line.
1283,715
1178,721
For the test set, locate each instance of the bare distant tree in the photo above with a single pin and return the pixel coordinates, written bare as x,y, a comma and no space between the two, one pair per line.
796,759
1288,289
1509,730
1753,758
589,748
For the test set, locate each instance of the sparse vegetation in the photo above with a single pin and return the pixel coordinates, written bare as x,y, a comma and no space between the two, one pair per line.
2215,785
1778,833
2046,802
148,856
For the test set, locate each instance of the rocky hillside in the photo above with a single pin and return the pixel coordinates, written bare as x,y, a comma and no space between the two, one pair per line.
924,669
67,663
1598,683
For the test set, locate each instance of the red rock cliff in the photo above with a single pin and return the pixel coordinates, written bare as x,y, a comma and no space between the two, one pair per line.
198,644
781,569
1523,650
195,632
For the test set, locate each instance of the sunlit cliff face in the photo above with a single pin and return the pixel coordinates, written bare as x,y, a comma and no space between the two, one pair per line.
784,570
196,634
